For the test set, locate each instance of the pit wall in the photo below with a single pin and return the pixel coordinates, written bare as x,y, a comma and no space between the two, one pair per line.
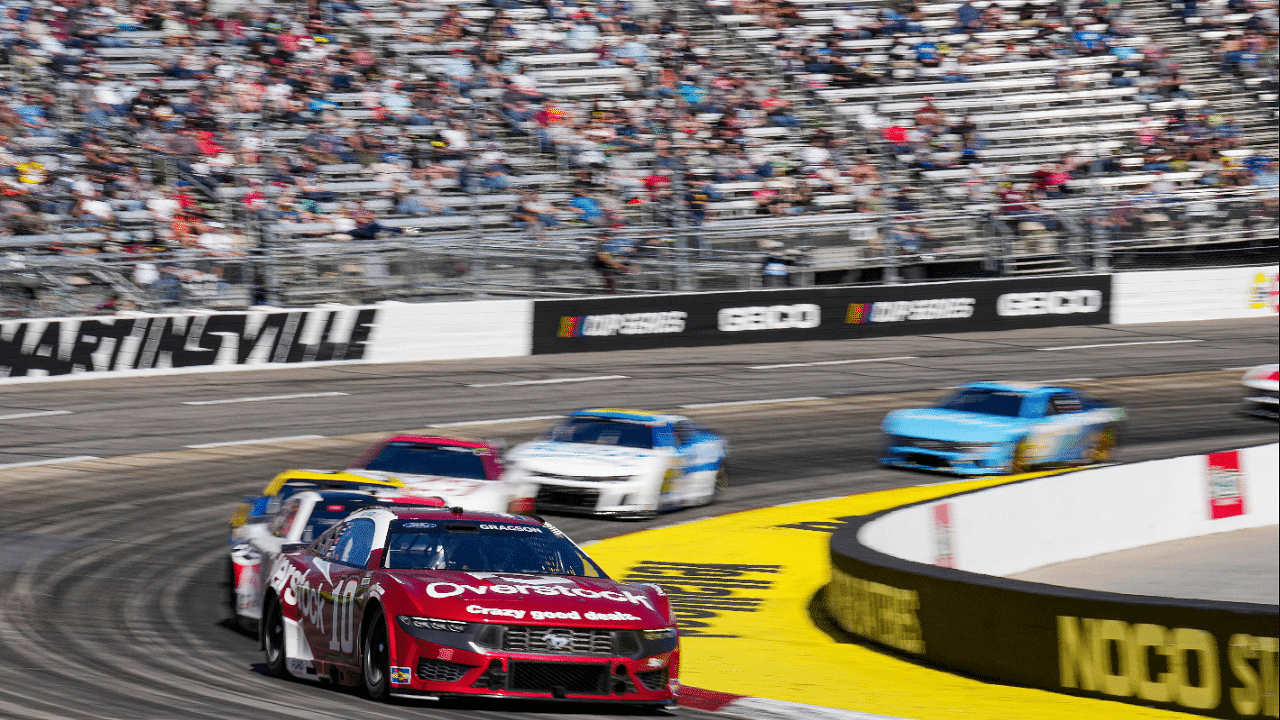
1017,527
924,580
142,344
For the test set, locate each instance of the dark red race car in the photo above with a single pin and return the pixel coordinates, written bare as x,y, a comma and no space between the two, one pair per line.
434,603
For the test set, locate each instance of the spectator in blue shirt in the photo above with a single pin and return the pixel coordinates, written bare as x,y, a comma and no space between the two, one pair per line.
586,208
968,18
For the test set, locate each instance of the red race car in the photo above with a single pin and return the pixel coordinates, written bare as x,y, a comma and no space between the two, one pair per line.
437,603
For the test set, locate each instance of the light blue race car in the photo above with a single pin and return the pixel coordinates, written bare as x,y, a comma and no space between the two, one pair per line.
999,428
621,463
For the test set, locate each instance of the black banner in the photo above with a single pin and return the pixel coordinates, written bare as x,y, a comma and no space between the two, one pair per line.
80,345
1205,657
834,313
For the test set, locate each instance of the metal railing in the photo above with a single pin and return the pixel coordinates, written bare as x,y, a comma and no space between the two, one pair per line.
51,275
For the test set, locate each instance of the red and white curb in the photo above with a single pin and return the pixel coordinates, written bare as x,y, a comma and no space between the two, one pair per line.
754,708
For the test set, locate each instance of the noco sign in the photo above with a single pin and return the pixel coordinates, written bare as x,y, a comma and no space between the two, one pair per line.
830,313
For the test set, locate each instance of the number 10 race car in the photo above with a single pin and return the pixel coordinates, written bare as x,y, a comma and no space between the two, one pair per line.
436,603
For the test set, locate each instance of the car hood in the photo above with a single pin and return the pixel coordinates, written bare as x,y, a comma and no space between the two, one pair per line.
511,598
584,460
442,485
950,425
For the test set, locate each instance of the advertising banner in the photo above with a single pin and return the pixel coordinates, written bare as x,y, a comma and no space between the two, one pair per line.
1210,658
66,346
1206,294
1225,483
834,313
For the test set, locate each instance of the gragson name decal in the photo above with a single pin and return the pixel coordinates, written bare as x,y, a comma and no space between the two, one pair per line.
63,347
447,590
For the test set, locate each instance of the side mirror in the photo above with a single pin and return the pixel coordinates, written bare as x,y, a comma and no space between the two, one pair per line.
375,560
292,547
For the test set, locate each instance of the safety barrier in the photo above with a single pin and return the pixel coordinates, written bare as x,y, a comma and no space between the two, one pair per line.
924,580
138,343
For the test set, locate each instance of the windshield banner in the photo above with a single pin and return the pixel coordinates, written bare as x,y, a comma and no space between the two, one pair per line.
818,313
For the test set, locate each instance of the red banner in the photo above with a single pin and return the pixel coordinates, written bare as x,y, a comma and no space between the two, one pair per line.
1225,484
946,552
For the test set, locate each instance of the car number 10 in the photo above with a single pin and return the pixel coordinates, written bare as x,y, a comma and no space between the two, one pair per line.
344,611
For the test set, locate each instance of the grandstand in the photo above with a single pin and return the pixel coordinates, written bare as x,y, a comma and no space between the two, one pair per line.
173,154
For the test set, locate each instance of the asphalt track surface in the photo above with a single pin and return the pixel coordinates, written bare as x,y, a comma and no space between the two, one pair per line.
1239,566
112,599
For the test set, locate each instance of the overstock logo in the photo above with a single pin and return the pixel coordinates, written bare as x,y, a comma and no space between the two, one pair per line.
773,317
1058,302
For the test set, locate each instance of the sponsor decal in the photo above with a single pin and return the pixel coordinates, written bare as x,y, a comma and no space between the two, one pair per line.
41,348
1265,292
1057,302
877,611
1225,484
1166,665
417,525
496,612
400,675
773,317
899,310
610,617
554,615
283,580
511,528
702,592
944,554
447,590
645,323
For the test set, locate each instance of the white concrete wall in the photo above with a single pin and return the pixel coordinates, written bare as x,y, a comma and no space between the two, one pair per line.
1012,528
1206,294
410,332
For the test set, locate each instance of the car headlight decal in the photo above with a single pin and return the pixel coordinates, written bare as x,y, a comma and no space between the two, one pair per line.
430,623
665,633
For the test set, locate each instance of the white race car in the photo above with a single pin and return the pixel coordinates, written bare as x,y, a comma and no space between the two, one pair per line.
621,463
1262,387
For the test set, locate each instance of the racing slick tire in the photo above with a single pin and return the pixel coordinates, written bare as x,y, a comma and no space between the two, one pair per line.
1020,462
273,639
1101,446
375,658
722,483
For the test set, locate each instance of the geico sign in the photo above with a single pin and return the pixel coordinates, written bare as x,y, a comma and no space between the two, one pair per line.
773,317
1154,663
1058,302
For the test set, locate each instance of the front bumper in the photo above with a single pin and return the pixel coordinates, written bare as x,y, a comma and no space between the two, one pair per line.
627,498
426,669
1262,404
994,462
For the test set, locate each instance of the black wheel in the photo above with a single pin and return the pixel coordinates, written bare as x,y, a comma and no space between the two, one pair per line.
1104,443
273,638
231,591
722,483
375,658
1021,461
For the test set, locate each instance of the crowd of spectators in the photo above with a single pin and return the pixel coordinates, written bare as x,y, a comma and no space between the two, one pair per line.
437,103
